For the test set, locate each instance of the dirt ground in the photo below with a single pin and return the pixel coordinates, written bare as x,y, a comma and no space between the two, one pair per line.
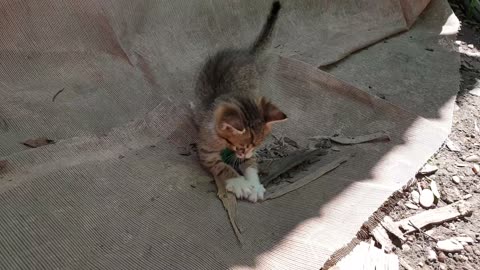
420,251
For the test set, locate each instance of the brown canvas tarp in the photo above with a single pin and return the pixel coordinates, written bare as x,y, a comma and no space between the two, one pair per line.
102,197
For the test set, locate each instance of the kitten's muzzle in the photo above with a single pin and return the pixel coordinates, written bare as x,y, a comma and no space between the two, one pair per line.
240,153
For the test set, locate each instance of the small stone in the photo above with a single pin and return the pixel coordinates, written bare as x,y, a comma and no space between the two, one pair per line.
442,257
472,158
3,164
469,172
458,42
406,248
428,169
442,266
456,257
411,238
434,188
452,227
451,195
420,264
476,251
458,164
456,179
449,245
476,92
415,196
469,249
468,196
426,198
452,146
411,206
184,151
470,46
476,168
431,255
464,240
423,185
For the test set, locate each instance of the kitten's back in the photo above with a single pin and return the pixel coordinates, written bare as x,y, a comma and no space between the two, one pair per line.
234,72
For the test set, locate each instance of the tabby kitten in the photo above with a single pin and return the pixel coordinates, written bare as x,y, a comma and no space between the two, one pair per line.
230,115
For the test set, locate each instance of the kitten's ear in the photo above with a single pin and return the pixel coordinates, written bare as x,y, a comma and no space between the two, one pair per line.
228,119
271,113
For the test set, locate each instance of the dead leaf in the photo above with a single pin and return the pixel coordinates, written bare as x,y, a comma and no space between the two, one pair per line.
3,164
313,175
291,142
230,204
184,151
34,143
452,146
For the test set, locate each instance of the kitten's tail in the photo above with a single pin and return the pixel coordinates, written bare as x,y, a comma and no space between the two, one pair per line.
264,37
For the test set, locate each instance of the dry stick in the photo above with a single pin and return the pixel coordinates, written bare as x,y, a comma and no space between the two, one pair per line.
378,136
422,232
309,177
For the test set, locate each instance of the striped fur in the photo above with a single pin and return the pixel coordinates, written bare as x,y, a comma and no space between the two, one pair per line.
230,114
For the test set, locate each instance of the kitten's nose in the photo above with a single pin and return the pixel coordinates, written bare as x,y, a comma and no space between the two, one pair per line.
241,153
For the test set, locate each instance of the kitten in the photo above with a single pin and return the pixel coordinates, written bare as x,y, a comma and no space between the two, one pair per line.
230,115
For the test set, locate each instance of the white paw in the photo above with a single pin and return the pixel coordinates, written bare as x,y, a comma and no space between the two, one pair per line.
240,187
258,191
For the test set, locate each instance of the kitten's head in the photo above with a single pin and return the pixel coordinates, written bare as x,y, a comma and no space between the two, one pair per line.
244,123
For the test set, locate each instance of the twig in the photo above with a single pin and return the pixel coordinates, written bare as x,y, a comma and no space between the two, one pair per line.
317,173
378,136
55,96
420,231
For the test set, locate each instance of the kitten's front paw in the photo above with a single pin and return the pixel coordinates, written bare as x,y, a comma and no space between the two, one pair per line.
240,187
258,192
